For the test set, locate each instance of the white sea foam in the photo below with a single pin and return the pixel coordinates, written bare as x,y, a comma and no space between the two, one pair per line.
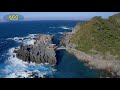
62,27
65,27
16,68
28,40
60,32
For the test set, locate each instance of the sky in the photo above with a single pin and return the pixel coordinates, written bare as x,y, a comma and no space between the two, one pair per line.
58,15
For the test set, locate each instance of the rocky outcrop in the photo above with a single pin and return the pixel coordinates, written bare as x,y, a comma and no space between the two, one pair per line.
41,52
65,41
97,61
112,66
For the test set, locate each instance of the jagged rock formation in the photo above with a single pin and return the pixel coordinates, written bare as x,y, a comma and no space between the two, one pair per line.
41,52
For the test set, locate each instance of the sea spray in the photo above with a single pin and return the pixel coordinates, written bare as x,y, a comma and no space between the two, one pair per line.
16,68
28,40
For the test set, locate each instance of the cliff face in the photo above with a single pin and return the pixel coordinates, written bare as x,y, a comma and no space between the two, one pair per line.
41,52
97,42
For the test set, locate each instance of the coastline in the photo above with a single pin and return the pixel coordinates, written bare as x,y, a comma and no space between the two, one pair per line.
96,61
38,42
19,68
109,66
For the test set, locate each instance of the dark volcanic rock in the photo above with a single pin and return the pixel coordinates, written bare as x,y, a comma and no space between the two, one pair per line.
41,52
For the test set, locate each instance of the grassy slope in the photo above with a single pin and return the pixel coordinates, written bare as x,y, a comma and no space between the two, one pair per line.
99,35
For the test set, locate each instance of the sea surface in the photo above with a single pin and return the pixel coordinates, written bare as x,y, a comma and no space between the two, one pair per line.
68,66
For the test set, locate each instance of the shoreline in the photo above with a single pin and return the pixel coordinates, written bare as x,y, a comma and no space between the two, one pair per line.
25,69
110,65
80,56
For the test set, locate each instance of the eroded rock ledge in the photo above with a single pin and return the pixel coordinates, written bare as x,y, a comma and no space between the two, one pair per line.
43,50
96,61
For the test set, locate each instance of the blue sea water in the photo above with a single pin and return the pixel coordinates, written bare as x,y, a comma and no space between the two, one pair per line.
11,67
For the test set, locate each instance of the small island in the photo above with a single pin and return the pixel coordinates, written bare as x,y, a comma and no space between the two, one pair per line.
43,50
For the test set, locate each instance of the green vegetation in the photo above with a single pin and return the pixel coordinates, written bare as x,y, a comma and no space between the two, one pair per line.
101,35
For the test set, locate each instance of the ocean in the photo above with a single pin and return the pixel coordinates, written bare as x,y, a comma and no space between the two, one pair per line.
68,65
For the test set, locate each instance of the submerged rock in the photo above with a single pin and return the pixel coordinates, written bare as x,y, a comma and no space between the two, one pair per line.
41,52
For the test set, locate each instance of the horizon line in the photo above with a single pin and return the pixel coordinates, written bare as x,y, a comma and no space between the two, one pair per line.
43,20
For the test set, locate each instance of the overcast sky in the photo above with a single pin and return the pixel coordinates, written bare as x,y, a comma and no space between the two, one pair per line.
58,15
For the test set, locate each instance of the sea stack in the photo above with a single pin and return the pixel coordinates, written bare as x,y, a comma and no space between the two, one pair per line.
43,50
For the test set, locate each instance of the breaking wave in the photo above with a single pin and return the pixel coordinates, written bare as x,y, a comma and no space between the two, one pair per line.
62,27
16,68
60,33
28,40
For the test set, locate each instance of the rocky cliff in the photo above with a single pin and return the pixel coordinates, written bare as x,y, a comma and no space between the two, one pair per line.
41,52
96,42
